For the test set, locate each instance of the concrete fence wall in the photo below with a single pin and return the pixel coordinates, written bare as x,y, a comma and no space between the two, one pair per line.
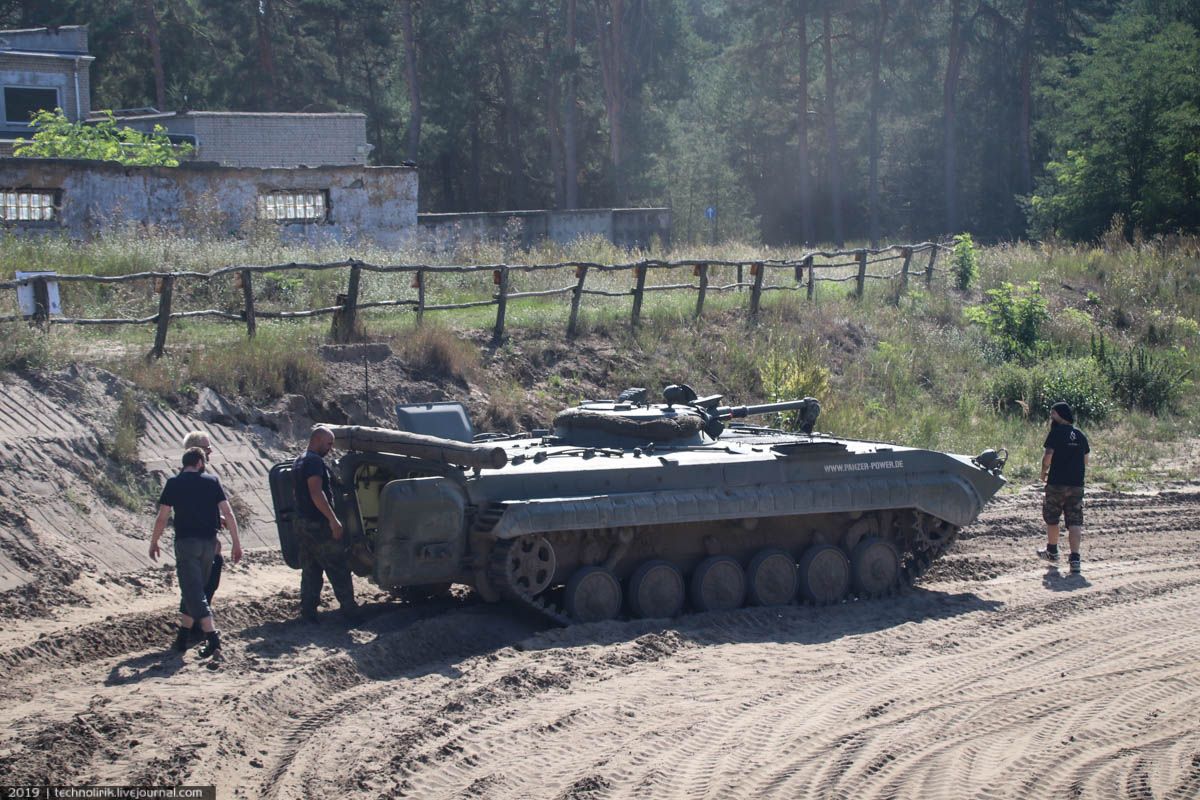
368,204
626,227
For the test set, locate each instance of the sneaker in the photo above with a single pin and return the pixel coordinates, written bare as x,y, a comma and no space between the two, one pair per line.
352,615
211,646
183,638
1048,554
1075,568
309,615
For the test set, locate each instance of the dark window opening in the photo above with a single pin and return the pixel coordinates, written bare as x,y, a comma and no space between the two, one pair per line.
21,104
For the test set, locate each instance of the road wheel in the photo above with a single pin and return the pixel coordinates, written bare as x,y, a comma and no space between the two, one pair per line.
824,574
593,594
718,584
656,590
771,578
874,567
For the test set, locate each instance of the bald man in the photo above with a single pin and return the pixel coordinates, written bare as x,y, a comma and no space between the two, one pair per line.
322,547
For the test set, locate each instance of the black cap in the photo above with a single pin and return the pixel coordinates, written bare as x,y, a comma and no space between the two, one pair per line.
1063,410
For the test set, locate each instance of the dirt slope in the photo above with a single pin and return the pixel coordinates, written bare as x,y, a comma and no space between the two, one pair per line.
996,678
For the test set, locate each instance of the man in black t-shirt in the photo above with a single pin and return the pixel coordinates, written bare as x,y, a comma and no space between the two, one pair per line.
1063,466
199,504
322,548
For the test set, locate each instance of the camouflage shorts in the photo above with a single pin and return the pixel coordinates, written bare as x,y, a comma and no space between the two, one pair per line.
1064,501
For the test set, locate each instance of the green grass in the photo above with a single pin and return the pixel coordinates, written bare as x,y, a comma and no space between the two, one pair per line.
899,367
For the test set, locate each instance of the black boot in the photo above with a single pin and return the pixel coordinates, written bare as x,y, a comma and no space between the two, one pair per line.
212,644
182,639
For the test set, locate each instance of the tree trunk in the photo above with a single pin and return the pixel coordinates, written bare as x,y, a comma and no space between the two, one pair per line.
553,122
949,116
609,39
412,136
805,169
835,169
873,123
160,81
515,186
1024,136
570,143
266,57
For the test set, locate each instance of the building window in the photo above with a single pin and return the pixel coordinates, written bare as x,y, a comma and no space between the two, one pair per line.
28,205
21,104
294,206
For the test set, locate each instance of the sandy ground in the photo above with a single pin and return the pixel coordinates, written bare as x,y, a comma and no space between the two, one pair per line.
996,677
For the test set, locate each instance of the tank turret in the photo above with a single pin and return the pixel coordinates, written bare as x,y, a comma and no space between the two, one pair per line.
682,420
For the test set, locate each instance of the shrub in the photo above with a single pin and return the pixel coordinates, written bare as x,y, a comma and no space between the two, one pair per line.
786,377
23,347
269,365
127,425
1013,317
964,263
1078,381
58,137
437,350
1009,389
1139,379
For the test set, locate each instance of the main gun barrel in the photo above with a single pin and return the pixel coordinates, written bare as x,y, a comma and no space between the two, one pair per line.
738,412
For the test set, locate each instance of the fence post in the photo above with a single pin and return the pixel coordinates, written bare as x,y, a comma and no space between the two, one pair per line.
929,269
808,262
345,322
164,315
248,298
41,303
419,285
757,270
702,271
908,253
862,273
638,290
500,277
576,298
739,277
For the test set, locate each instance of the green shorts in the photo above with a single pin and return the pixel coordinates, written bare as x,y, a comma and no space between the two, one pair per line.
1063,501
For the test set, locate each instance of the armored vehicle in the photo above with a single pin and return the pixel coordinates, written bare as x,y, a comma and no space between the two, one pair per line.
629,507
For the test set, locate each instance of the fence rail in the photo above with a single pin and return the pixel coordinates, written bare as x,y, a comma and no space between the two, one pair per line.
345,310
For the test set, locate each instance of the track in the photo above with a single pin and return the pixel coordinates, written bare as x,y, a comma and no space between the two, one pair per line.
997,677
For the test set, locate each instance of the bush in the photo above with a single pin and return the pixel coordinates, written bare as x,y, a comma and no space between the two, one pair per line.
964,263
1078,381
23,347
127,426
1139,379
786,377
1009,389
1013,317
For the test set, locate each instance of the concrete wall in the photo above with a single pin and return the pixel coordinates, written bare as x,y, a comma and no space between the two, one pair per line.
368,204
64,39
237,139
627,227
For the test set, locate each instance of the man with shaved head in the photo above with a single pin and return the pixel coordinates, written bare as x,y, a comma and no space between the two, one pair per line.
322,549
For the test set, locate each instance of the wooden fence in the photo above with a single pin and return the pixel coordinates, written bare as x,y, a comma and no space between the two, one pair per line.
803,273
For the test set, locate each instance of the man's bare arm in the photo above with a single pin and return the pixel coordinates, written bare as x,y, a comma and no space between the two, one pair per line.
160,525
1046,462
232,526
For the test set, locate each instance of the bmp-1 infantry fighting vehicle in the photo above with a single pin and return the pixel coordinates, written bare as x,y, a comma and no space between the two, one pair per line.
640,508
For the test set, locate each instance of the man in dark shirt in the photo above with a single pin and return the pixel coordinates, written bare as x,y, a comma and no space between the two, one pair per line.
199,504
322,549
1063,466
